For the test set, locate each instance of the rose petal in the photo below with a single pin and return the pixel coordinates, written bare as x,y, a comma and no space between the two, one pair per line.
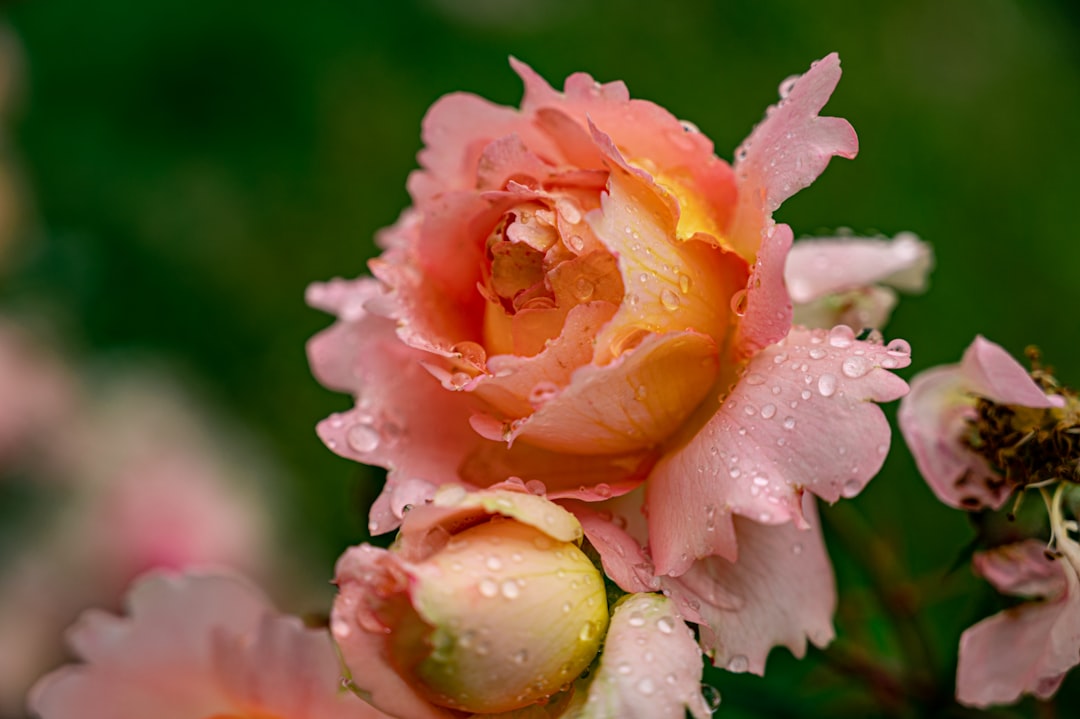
788,150
933,418
767,305
801,418
779,593
991,372
650,668
819,267
1027,649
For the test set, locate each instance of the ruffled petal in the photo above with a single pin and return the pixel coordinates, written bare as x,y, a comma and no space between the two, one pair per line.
1027,649
788,150
933,418
650,668
779,593
765,301
801,418
403,419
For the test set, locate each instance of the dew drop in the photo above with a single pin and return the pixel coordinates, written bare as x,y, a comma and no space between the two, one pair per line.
817,353
669,300
363,438
521,656
637,620
711,695
646,686
841,336
797,548
855,366
566,607
624,668
588,631
602,490
827,384
493,563
510,589
488,587
576,243
738,663
583,288
768,411
684,283
850,488
789,423
755,379
738,303
899,347
665,625
805,394
542,392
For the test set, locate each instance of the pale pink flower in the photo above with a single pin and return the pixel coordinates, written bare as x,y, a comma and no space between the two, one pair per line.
853,281
1027,649
584,296
197,647
935,419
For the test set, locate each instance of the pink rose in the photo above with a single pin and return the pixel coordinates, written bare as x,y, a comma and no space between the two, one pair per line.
937,420
197,646
584,296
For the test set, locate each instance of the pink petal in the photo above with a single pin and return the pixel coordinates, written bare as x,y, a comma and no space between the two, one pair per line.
933,419
1027,649
779,593
361,572
650,668
819,267
767,305
404,419
991,372
788,150
801,418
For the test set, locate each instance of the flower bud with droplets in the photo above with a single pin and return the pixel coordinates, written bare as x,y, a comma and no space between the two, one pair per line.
484,604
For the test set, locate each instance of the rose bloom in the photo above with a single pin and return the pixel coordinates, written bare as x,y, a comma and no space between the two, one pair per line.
585,297
486,604
197,646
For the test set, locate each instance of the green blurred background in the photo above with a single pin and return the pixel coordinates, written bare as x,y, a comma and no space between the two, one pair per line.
191,166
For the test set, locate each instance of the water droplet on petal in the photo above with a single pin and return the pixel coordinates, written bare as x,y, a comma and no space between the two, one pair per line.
624,668
738,303
637,620
362,438
684,283
841,336
899,347
738,663
646,686
588,631
583,288
488,587
850,488
669,300
521,656
510,589
755,379
602,490
493,563
665,625
789,423
855,366
827,385
768,411
576,243
817,353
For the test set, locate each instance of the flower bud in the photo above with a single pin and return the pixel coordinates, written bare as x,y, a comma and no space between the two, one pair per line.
499,615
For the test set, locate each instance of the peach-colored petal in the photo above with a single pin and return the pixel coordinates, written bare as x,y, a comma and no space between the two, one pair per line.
633,403
788,150
933,418
801,418
991,372
1029,648
779,593
651,666
816,268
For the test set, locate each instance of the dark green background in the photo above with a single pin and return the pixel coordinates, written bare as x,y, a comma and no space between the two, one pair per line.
195,164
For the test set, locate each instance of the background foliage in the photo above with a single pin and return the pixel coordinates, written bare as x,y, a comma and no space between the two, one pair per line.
192,165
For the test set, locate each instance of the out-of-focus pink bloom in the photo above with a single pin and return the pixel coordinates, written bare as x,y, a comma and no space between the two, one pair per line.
1029,648
196,646
935,419
853,281
583,285
485,604
149,481
39,396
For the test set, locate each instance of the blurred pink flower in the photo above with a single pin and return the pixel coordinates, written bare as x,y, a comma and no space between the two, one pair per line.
1029,648
935,419
197,646
584,296
853,281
